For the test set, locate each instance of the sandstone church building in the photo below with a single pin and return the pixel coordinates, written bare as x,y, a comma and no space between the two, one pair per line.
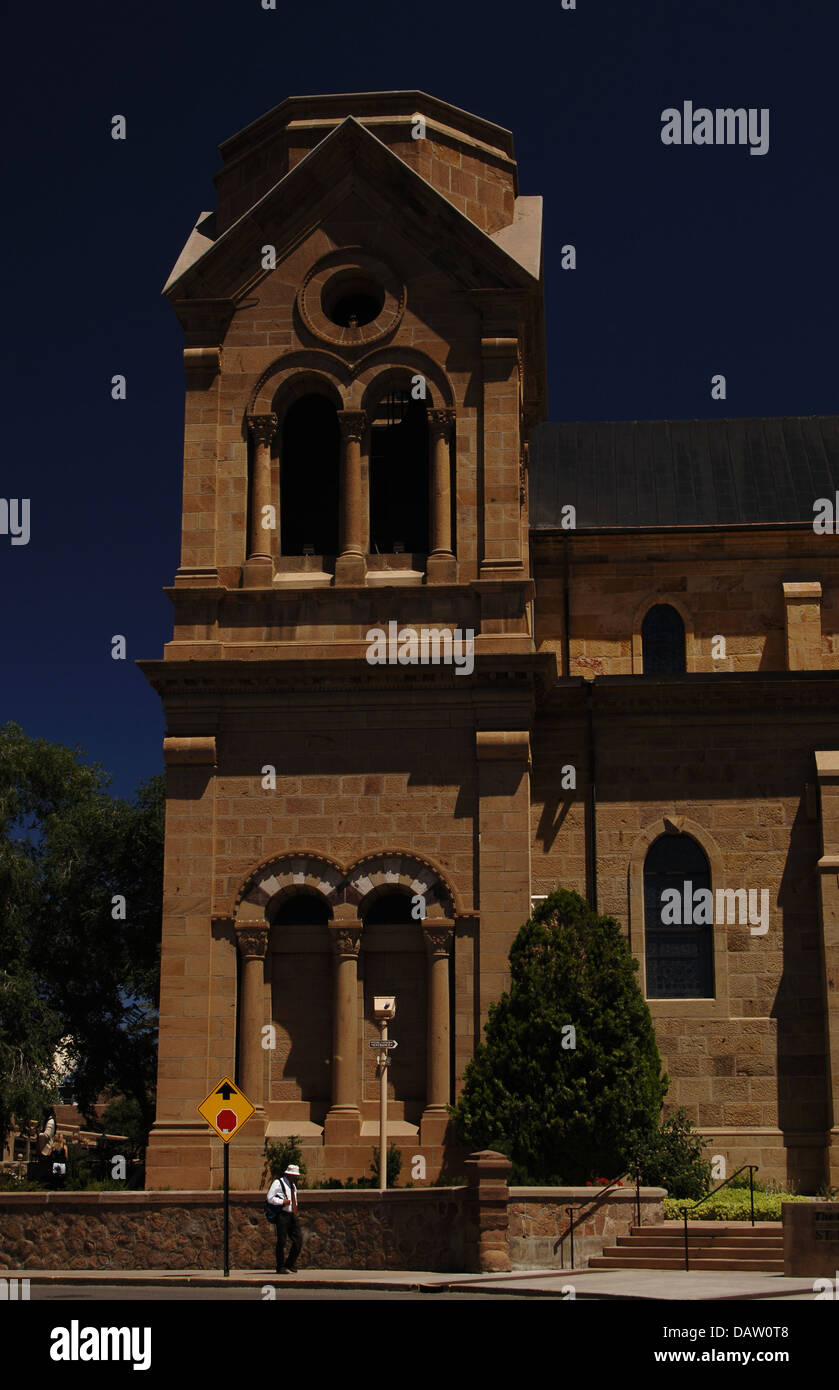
607,660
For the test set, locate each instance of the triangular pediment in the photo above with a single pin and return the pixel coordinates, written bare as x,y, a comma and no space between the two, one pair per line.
349,168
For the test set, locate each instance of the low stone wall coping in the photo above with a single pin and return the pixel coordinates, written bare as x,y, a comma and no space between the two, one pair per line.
586,1194
311,1196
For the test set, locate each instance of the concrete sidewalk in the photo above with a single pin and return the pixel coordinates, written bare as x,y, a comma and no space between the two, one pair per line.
653,1284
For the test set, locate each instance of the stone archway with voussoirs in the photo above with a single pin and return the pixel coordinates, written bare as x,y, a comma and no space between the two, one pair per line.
346,889
287,378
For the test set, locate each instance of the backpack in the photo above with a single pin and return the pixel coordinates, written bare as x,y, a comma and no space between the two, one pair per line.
272,1208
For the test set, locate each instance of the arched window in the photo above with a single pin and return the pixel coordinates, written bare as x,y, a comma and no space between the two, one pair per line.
663,641
309,472
678,920
399,475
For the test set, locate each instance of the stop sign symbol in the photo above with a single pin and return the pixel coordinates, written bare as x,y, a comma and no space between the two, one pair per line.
226,1121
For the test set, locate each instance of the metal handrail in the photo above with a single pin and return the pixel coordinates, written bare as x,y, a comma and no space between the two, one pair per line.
572,1225
752,1167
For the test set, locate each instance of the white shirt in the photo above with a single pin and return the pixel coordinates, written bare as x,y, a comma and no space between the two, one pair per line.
280,1193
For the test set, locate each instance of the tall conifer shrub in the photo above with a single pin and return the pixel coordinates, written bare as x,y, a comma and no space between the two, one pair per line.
569,1078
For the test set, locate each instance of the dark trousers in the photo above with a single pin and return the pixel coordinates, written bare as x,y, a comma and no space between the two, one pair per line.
288,1227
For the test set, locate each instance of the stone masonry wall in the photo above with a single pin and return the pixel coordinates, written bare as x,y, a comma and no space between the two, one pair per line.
725,585
539,1223
183,1230
429,1230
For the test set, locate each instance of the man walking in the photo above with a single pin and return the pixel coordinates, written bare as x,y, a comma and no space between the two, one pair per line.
283,1194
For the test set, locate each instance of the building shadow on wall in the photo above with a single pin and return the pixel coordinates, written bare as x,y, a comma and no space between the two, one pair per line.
798,1009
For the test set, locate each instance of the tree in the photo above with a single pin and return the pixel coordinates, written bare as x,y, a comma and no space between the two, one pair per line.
80,920
29,1035
569,1077
674,1158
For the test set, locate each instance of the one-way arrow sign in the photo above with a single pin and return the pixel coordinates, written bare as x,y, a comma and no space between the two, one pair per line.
384,1046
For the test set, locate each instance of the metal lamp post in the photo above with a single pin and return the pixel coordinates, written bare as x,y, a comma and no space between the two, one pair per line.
384,1009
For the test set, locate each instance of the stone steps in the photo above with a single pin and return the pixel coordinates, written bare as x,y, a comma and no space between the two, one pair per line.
711,1245
614,1260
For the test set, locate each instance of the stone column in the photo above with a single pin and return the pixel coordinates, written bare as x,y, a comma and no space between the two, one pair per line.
438,936
343,1120
351,567
259,567
252,941
442,567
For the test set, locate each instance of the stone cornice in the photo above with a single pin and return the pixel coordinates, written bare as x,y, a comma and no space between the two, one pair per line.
202,678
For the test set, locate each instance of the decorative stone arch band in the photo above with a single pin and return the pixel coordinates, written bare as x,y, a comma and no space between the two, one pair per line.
344,886
295,373
675,824
387,367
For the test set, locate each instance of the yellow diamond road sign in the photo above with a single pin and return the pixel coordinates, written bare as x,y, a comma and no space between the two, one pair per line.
226,1109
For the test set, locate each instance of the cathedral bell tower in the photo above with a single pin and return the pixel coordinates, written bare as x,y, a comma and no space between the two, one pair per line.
350,686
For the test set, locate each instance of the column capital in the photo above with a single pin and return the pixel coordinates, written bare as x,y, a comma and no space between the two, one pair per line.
262,427
346,938
438,936
252,940
351,423
440,420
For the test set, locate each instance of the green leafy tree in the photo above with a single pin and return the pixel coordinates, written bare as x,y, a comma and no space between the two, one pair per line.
69,855
569,1075
673,1157
29,1035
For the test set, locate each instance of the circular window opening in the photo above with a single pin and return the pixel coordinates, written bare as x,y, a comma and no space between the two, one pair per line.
352,302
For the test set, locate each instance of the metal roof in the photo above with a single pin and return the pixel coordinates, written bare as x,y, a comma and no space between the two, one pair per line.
640,473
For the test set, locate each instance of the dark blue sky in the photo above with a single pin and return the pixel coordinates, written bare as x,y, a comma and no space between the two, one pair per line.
691,261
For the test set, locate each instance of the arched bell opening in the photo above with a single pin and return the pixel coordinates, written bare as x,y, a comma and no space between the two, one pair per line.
399,485
309,477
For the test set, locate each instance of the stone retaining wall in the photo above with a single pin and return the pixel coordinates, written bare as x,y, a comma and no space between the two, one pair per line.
422,1229
483,1225
539,1220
